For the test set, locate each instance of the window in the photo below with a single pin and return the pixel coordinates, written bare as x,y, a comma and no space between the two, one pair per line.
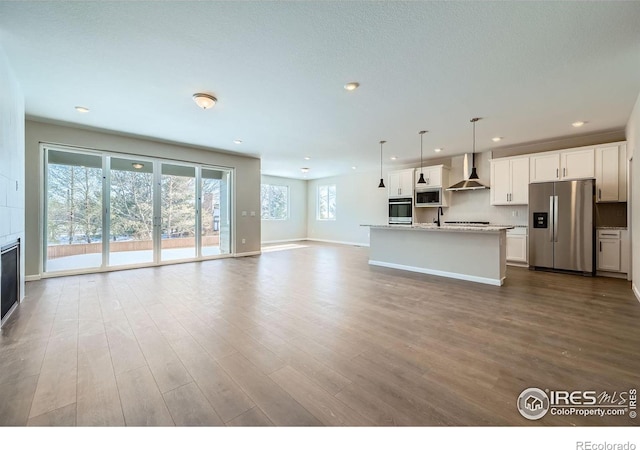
274,202
327,202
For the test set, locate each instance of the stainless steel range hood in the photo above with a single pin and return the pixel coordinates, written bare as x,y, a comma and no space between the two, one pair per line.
470,182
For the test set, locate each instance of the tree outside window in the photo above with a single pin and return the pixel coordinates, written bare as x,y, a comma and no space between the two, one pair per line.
327,202
274,202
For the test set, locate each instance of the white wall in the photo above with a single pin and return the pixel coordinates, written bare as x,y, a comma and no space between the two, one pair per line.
247,178
295,227
633,144
12,182
358,201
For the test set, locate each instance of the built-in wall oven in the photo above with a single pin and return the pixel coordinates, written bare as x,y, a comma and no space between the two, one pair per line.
400,211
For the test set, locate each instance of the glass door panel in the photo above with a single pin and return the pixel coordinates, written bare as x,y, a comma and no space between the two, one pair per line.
131,212
73,230
178,218
215,212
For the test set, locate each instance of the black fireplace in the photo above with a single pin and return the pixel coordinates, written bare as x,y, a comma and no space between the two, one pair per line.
10,275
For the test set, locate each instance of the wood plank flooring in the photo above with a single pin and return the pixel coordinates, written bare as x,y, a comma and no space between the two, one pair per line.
310,336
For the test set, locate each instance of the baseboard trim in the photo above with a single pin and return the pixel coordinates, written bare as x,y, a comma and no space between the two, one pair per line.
242,255
636,291
440,273
282,241
329,241
32,278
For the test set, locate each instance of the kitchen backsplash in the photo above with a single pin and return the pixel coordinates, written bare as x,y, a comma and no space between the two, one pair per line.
611,215
474,206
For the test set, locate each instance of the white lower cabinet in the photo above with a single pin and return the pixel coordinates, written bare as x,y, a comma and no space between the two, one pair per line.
517,246
612,251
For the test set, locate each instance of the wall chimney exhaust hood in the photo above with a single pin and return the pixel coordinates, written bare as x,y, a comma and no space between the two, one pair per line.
470,182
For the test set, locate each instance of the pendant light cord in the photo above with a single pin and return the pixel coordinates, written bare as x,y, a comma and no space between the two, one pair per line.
421,134
381,159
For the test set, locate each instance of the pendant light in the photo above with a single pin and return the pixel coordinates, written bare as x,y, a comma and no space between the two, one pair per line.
474,174
381,185
421,180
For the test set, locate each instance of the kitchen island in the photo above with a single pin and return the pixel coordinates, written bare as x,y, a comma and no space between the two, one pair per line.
469,253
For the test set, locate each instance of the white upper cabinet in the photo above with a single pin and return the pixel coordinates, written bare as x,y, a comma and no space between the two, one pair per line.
401,183
434,176
564,165
611,173
545,167
577,164
510,181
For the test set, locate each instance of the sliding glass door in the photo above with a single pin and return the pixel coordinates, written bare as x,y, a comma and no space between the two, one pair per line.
178,232
105,210
73,204
131,211
214,201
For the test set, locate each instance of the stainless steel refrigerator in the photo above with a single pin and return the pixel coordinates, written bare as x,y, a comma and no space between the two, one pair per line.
561,226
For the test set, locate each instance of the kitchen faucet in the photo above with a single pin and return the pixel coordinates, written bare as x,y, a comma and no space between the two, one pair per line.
439,213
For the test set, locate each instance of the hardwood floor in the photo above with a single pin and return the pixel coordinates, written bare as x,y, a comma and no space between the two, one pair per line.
311,336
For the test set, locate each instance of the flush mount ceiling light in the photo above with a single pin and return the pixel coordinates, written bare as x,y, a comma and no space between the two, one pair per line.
437,150
352,86
237,141
354,167
205,101
307,158
577,124
381,185
304,170
137,165
421,180
497,139
393,158
82,109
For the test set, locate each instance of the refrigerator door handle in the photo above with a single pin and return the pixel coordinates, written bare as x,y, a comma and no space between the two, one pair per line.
552,220
555,218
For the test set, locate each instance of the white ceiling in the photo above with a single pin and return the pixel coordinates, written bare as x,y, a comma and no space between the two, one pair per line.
529,69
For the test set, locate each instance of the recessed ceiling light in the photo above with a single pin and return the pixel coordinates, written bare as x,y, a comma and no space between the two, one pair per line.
354,167
137,165
82,109
204,101
352,86
304,169
577,124
237,141
437,150
307,158
393,158
496,139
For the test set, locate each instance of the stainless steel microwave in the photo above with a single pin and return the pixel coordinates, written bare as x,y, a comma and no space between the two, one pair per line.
429,196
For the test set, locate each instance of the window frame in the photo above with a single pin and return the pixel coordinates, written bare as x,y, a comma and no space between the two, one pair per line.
319,193
288,200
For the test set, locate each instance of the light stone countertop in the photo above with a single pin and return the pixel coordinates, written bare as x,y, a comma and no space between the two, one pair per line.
434,227
611,228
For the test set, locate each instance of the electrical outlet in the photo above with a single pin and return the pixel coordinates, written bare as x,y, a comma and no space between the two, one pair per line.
253,213
244,213
244,241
